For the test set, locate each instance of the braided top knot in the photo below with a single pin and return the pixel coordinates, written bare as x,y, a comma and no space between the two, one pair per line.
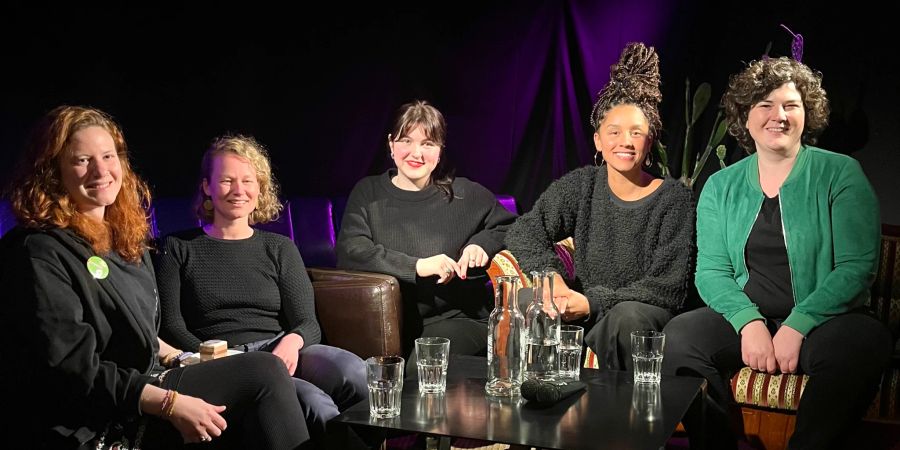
633,80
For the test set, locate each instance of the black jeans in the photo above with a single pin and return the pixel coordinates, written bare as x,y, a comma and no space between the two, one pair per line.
844,358
262,409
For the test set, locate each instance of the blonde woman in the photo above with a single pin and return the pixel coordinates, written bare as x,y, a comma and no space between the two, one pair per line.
228,280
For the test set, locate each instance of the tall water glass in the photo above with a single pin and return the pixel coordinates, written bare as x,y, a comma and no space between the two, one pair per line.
571,338
385,378
647,354
432,358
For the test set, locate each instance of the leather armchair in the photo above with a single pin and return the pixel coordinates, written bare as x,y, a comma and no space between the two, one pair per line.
358,311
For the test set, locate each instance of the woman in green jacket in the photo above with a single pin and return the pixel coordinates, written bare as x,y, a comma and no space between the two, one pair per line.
788,242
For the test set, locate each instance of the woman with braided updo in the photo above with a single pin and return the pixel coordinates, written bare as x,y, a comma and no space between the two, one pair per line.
633,232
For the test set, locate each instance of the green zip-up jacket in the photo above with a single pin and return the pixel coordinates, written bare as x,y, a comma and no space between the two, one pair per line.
831,226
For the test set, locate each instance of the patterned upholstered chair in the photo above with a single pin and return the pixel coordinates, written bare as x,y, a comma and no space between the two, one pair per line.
769,402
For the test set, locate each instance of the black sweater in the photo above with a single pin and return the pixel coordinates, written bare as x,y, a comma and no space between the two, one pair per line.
78,350
624,251
242,290
386,230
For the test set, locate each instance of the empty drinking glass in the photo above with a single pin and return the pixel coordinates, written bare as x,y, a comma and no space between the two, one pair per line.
385,378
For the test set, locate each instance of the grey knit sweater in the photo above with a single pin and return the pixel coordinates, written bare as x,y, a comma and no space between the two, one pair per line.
624,251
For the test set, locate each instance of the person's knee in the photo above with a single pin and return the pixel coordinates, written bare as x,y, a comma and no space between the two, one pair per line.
681,349
335,370
267,371
262,365
332,361
632,316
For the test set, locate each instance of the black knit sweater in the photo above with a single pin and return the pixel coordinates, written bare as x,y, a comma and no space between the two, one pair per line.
386,229
624,250
242,290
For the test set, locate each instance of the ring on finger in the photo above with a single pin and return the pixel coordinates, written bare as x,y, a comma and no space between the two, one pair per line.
205,438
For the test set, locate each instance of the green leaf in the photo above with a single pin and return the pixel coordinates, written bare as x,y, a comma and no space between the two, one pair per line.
719,134
701,99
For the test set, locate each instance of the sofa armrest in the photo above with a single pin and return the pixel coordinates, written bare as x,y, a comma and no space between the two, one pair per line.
358,311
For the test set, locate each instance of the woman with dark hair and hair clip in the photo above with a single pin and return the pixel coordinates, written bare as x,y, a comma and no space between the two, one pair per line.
80,316
432,231
788,243
633,232
228,280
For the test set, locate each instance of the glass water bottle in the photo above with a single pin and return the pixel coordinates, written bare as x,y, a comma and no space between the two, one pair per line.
542,323
506,327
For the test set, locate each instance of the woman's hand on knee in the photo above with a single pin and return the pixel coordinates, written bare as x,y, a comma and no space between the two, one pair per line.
756,347
288,350
196,420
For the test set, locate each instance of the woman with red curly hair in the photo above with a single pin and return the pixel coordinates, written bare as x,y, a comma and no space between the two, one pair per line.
80,315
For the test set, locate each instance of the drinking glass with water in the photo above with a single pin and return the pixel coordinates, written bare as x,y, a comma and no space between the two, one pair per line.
432,358
385,379
571,338
647,354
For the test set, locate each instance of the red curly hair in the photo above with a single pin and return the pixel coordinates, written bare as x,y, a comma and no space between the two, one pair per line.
40,200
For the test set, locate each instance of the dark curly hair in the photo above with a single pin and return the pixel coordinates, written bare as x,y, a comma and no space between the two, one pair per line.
758,80
633,80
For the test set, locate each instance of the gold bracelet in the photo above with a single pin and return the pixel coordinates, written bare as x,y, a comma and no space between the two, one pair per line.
171,405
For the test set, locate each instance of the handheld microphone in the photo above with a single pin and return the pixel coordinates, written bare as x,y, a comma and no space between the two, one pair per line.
544,393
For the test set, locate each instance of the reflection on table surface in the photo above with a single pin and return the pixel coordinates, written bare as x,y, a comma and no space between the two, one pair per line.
613,412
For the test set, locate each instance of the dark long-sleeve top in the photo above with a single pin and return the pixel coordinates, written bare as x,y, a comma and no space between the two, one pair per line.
386,229
242,290
624,250
77,350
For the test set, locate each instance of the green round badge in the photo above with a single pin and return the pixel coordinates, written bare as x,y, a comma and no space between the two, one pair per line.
97,267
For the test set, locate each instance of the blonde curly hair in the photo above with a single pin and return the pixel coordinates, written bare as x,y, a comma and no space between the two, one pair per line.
268,206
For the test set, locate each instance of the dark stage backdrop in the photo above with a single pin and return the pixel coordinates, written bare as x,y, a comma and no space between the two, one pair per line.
516,80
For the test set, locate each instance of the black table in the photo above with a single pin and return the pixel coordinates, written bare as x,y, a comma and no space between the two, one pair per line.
611,414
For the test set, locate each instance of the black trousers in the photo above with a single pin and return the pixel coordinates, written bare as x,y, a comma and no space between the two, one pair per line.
610,336
844,358
467,337
262,409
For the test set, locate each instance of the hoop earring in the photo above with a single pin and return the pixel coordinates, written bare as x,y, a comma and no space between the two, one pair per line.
602,161
648,161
